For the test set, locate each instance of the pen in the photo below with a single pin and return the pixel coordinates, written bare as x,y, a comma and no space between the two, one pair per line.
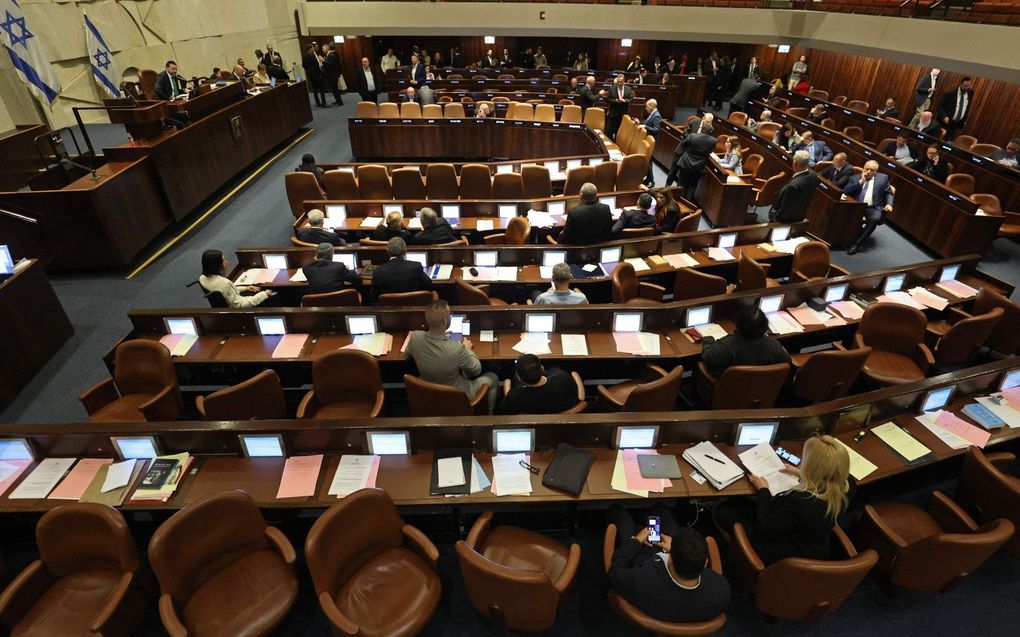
714,458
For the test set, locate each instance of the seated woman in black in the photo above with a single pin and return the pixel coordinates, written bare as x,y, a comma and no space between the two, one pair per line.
667,211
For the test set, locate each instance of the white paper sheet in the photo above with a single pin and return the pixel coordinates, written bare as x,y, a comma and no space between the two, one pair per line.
574,344
451,472
43,478
117,475
351,474
761,460
509,476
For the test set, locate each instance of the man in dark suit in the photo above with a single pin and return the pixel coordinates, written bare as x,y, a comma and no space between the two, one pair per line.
313,71
506,59
795,197
398,274
687,168
902,150
490,61
653,124
873,189
924,94
331,73
745,91
369,81
589,222
954,107
840,172
435,229
620,97
417,72
637,217
1009,155
168,85
271,57
324,275
889,110
710,70
932,165
587,93
701,124
636,65
315,233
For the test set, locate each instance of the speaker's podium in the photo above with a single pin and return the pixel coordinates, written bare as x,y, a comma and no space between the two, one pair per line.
143,120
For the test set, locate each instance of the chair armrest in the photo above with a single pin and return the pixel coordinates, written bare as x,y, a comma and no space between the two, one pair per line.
744,550
549,239
1011,217
495,239
841,347
714,558
21,594
606,396
336,618
797,275
164,406
580,385
608,546
654,372
923,357
309,405
281,544
874,528
835,270
380,398
479,396
421,545
859,341
168,614
479,530
566,578
844,541
955,314
506,386
651,291
483,287
705,374
949,515
99,395
1000,459
113,603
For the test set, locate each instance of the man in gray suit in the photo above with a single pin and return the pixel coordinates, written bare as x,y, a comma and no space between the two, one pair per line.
445,361
924,94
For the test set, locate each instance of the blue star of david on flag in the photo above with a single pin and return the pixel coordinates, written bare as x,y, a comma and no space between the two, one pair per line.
102,59
9,25
104,69
26,52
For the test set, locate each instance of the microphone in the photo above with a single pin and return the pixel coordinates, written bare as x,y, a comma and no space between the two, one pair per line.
67,164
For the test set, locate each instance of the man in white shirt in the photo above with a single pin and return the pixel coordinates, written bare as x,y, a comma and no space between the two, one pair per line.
560,293
954,107
389,61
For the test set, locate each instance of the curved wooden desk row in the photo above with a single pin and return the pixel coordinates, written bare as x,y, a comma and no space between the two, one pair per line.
556,173
406,478
941,219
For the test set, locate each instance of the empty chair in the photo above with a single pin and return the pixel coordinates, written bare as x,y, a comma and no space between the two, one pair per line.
990,205
752,164
688,223
373,574
577,177
984,150
738,117
655,392
742,386
855,133
827,375
605,176
961,183
340,298
828,122
340,184
839,99
626,135
895,334
545,113
345,384
374,182
444,99
410,110
389,110
571,114
454,109
751,275
1005,338
929,550
595,118
811,261
633,170
301,187
818,94
432,399
408,183
566,102
694,284
627,289
88,579
406,299
221,569
500,98
959,344
432,110
441,182
769,190
475,182
767,130
468,294
517,233
258,398
143,387
537,183
523,110
517,578
508,186
366,109
858,105
988,492
797,111
506,76
964,142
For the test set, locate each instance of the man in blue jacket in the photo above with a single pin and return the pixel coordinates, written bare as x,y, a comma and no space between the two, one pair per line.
874,190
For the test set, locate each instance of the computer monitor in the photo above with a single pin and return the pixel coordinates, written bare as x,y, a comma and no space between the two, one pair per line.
540,322
556,207
16,449
949,272
553,166
262,445
628,321
936,398
507,210
504,168
749,434
181,325
836,293
271,325
782,233
594,161
553,257
727,239
390,207
362,325
574,163
770,304
456,324
609,201
421,258
336,212
388,443
349,259
1010,380
275,261
450,210
486,258
513,440
636,437
894,283
701,315
6,262
135,447
611,255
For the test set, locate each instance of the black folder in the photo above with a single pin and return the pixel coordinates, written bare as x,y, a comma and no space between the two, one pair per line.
568,470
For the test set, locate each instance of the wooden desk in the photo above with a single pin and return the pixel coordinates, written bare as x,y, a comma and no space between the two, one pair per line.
21,159
723,196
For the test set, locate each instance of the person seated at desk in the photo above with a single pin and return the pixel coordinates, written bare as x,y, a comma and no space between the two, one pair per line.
398,274
215,75
670,580
482,111
539,391
667,211
889,111
665,79
816,114
754,125
324,275
932,165
902,150
749,345
636,217
315,233
393,227
817,150
277,72
168,85
560,293
434,230
214,264
307,165
261,75
730,159
840,172
927,125
773,99
787,137
588,222
872,189
1008,155
442,360
797,523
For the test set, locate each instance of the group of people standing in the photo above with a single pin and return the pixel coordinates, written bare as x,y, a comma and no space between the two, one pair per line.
322,66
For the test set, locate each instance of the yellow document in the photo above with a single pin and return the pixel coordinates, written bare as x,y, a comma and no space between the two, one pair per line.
860,467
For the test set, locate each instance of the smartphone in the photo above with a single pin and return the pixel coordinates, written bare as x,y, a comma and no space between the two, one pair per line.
654,529
786,455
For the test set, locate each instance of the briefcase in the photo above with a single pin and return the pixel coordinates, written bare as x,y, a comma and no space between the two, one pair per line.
568,470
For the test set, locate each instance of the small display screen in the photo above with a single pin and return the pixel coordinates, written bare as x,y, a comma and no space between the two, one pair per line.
388,208
636,437
456,323
556,207
835,293
699,316
181,326
349,259
937,398
540,323
574,163
611,255
513,440
271,325
362,325
728,240
486,258
418,257
627,321
450,211
949,272
755,433
6,262
553,257
388,443
770,304
1010,380
275,261
16,449
609,201
262,446
507,210
894,283
780,234
505,168
141,447
336,212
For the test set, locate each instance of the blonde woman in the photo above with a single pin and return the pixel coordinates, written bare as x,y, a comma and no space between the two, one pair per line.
797,523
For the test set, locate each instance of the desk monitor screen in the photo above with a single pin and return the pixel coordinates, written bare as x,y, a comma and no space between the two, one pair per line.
611,255
553,257
181,325
949,272
362,325
556,207
728,240
450,211
781,233
553,166
540,322
574,163
16,449
835,293
336,212
349,259
507,210
628,321
456,324
421,258
275,261
6,262
135,447
699,316
505,168
388,208
609,201
486,258
937,398
770,304
1010,380
388,443
513,440
637,437
262,445
750,434
271,325
894,283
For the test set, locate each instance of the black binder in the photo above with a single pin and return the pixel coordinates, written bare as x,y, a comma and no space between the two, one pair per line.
568,470
463,489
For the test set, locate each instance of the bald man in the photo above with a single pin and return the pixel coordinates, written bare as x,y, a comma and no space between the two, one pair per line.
369,81
873,189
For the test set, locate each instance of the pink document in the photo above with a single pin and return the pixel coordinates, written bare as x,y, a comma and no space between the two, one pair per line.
627,342
957,288
804,315
848,309
632,470
290,346
266,275
300,475
171,340
974,435
925,297
78,479
374,474
1012,397
10,471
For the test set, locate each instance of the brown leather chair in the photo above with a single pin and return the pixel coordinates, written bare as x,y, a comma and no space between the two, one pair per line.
928,550
827,375
389,110
829,123
408,183
456,243
858,105
742,386
839,99
433,111
655,392
468,294
504,100
855,133
960,343
222,570
366,109
798,111
988,492
524,111
303,244
408,299
147,83
410,110
571,113
443,100
634,233
537,183
635,617
633,170
346,384
1005,338
301,187
811,261
374,575
818,94
432,399
984,150
87,581
579,407
896,335
455,109
517,233
990,205
545,113
143,387
689,223
751,275
737,117
595,118
519,579
694,284
627,288
374,182
348,297
961,183
258,398
509,186
605,176
577,177
441,182
769,190
340,184
753,164
475,182
821,585
767,130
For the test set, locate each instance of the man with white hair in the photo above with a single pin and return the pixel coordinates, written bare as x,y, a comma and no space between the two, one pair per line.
587,93
926,124
325,275
874,191
795,197
589,222
753,126
482,111
315,233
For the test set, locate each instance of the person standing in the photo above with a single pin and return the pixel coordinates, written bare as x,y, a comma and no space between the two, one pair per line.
694,153
369,81
753,70
954,108
874,191
331,70
797,73
587,93
416,72
313,71
540,59
590,222
653,124
794,199
924,94
389,61
710,69
620,97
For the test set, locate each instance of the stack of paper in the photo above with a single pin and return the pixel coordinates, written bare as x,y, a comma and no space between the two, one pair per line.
179,344
995,404
627,474
860,467
78,480
574,344
533,343
1012,397
900,441
506,273
948,438
783,323
336,222
300,475
963,429
720,254
682,260
713,464
479,481
377,344
638,263
290,346
44,477
957,288
10,471
353,474
714,330
790,245
509,477
540,219
847,309
924,297
371,222
484,225
111,483
162,478
637,343
761,460
806,316
484,273
900,297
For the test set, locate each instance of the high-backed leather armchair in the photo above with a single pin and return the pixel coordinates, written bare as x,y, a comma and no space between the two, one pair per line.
143,387
798,588
373,574
475,182
340,184
627,289
694,284
514,577
374,182
656,392
432,399
742,386
1005,338
301,186
398,299
537,182
407,182
259,397
468,294
571,113
508,185
595,118
988,492
827,375
751,275
577,177
689,223
345,384
737,117
960,343
441,182
87,581
811,261
633,169
366,109
895,334
222,570
929,550
517,233
961,183
605,176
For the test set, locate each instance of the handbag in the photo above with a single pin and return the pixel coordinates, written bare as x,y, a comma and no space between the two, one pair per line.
568,470
342,83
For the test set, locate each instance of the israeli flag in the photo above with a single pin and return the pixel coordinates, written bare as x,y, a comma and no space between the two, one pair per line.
27,53
101,58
